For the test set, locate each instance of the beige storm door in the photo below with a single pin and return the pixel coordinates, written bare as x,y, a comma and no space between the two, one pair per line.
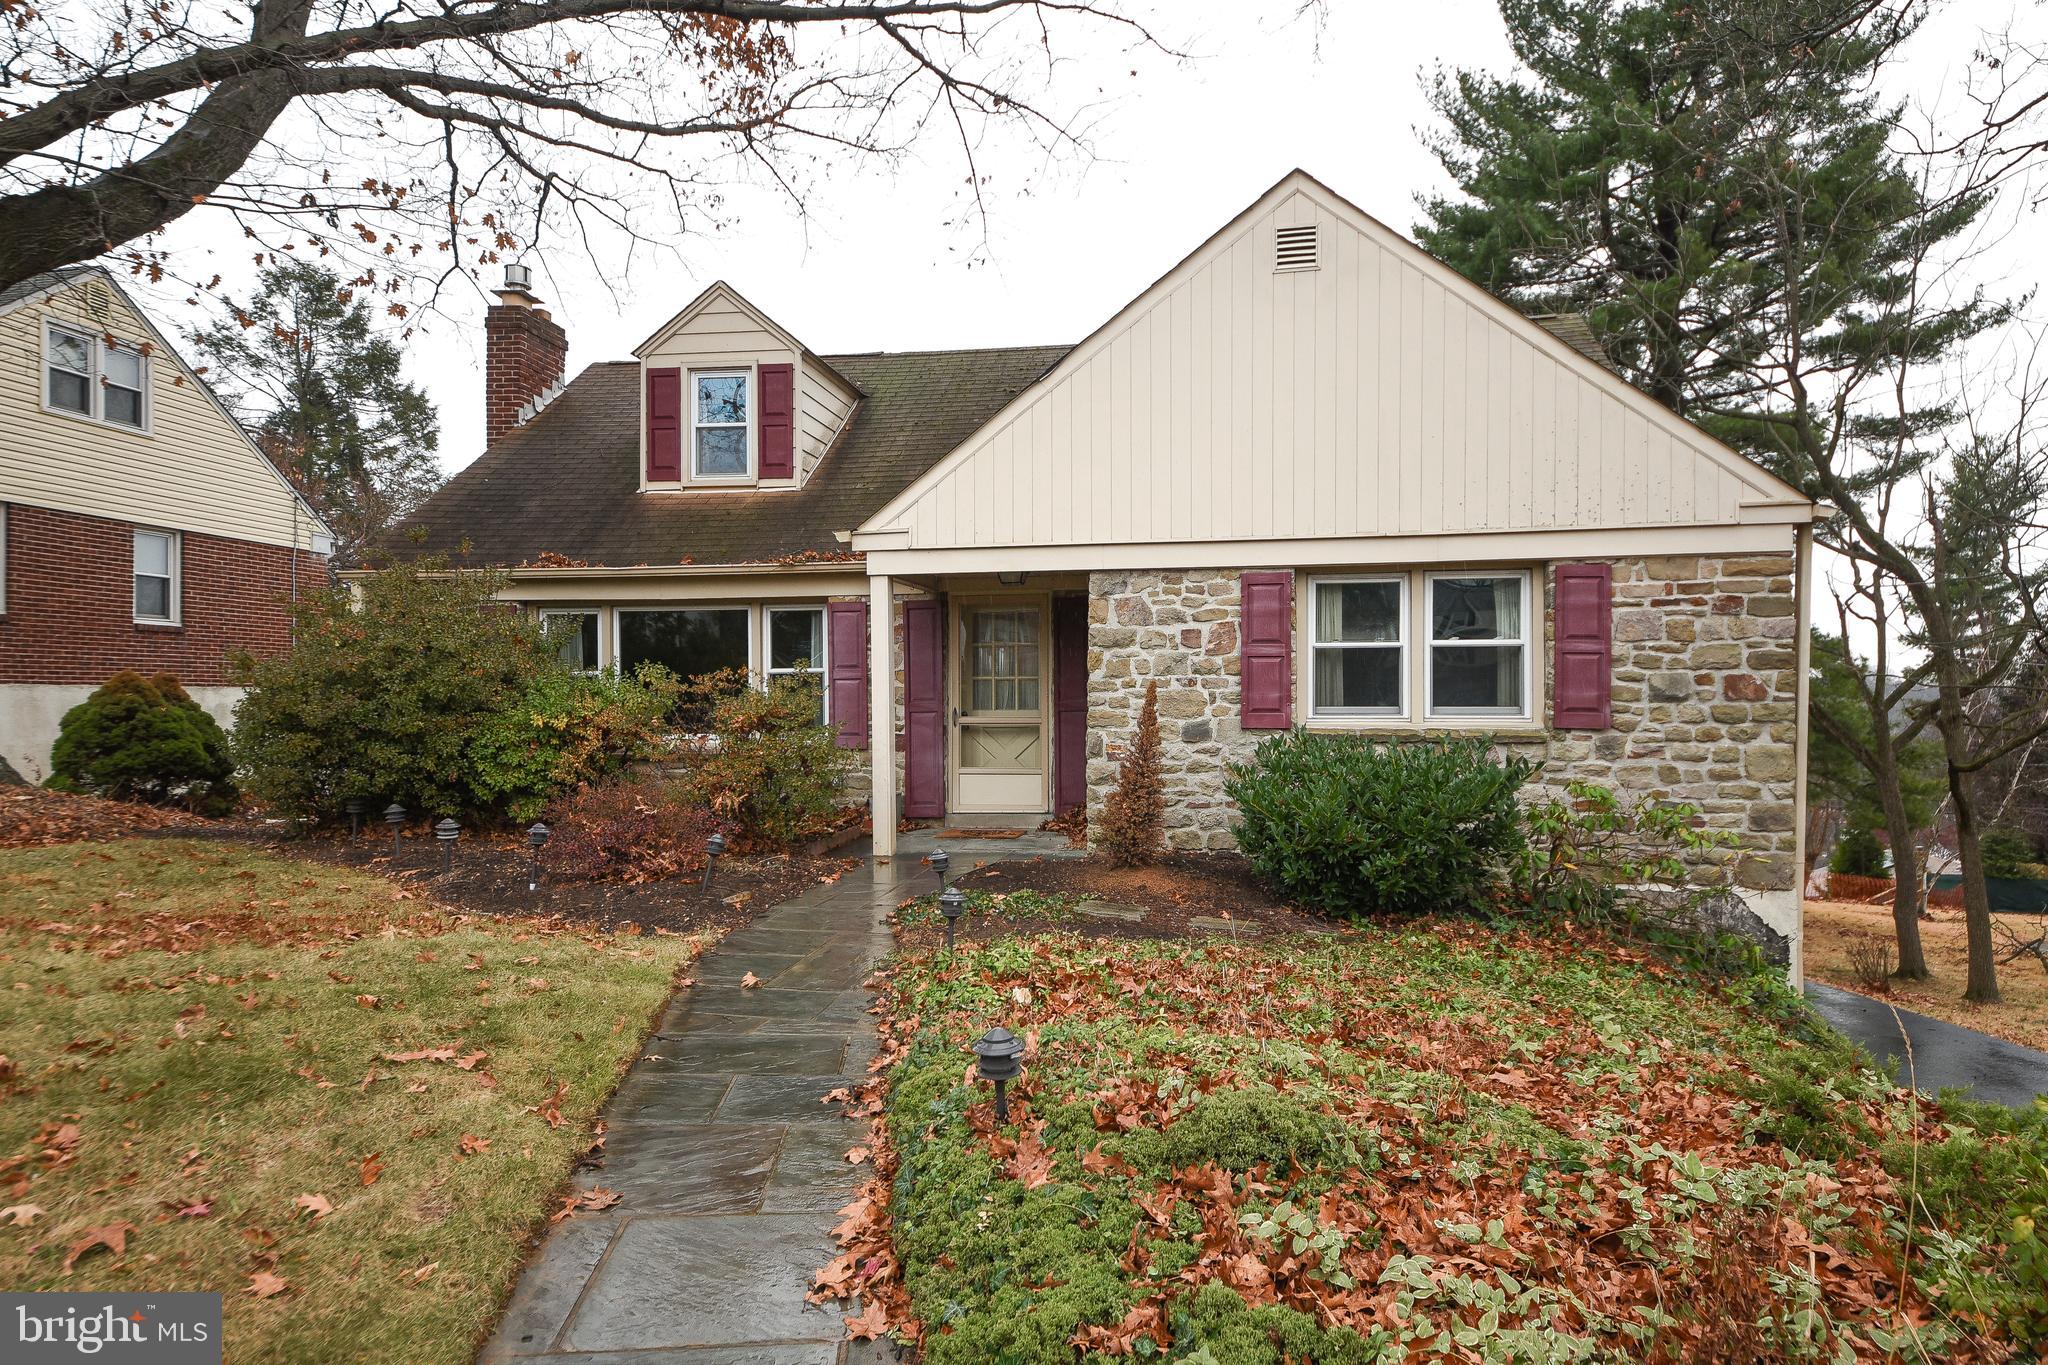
1000,712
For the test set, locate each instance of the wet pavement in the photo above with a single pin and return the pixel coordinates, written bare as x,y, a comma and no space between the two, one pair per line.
1943,1054
729,1166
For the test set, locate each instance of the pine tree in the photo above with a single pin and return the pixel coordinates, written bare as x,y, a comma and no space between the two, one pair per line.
326,399
1132,831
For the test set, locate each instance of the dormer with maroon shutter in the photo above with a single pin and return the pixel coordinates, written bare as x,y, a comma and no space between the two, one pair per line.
732,401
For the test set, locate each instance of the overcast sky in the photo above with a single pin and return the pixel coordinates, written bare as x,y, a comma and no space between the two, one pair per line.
888,260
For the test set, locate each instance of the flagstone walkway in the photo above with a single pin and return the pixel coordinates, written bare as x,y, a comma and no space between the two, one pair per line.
729,1168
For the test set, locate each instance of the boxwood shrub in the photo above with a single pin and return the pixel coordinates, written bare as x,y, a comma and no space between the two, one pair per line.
1352,827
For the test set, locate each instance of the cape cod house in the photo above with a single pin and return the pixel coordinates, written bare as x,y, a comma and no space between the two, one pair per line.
140,526
1309,477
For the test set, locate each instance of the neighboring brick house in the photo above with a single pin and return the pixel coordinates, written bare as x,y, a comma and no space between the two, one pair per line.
1309,477
140,527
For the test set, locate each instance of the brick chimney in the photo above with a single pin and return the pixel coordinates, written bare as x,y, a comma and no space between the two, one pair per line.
525,353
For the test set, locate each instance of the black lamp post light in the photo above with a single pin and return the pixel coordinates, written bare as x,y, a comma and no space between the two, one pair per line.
996,1057
952,904
713,846
535,837
446,832
394,816
940,861
355,806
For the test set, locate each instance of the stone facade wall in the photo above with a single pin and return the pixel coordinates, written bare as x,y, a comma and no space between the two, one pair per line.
1704,697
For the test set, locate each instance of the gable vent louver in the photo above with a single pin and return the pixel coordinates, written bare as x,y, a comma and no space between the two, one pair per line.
1296,248
98,303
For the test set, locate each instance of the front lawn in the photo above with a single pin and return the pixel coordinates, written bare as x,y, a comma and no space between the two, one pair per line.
1427,1140
300,1086
1835,929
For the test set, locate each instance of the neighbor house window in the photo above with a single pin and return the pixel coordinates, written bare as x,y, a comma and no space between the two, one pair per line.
718,426
1478,644
577,632
796,646
1360,640
156,577
689,642
92,377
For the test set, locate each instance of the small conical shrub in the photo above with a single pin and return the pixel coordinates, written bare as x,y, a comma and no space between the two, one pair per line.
1132,830
144,739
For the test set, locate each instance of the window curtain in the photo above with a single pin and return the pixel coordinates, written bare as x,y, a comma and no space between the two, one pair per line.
1507,616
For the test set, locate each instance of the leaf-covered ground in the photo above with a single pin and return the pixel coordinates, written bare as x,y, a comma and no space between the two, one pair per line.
1424,1142
297,1085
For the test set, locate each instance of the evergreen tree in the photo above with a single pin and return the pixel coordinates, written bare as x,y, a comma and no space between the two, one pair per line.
1132,831
327,400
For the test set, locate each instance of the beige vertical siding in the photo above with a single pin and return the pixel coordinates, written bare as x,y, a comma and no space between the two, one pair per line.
192,471
721,329
1377,395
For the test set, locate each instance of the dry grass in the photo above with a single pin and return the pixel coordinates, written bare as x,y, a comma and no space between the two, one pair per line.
208,1053
1835,929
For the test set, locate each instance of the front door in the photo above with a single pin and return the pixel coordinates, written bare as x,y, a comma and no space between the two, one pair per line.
1000,705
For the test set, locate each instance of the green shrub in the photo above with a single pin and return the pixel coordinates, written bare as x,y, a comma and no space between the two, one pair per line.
767,765
1237,1129
568,730
1859,854
144,739
2006,850
1631,865
1347,826
384,695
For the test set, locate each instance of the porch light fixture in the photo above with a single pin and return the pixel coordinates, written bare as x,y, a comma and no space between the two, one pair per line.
535,837
355,806
940,861
952,904
394,816
996,1056
446,831
713,846
1012,579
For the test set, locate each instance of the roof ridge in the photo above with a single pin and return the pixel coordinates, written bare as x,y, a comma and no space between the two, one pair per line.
949,350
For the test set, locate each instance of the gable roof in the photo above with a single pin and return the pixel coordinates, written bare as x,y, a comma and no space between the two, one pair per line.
49,282
567,482
719,291
1379,394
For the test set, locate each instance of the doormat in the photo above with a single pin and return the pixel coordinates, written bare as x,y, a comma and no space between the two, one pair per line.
979,834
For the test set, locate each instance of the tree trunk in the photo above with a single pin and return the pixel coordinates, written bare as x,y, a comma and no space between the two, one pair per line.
1905,879
1982,988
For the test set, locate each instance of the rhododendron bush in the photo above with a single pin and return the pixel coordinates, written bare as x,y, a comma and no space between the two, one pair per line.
1424,1142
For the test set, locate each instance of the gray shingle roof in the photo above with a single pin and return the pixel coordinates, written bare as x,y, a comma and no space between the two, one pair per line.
567,483
35,284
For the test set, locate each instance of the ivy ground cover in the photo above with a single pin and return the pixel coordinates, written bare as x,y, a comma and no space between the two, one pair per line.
1428,1142
302,1087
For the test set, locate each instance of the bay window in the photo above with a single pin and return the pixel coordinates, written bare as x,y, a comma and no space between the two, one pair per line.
688,641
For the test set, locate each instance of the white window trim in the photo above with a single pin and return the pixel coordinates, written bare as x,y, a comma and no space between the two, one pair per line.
176,557
749,475
1429,642
1400,645
95,386
597,613
821,665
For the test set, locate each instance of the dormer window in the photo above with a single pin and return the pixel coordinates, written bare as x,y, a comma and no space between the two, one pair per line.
720,441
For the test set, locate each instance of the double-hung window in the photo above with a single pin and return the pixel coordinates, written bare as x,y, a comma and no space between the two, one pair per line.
575,633
92,377
1360,638
1478,644
720,437
796,646
156,577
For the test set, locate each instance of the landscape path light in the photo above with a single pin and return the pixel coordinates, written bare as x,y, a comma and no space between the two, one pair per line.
355,806
940,861
952,904
447,831
535,837
713,846
394,816
996,1055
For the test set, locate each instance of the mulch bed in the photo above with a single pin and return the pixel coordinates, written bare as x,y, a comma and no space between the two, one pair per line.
489,876
1173,893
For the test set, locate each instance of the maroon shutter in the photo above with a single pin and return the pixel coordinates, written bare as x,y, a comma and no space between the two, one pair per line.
1585,650
924,710
1266,652
1069,702
664,425
778,421
846,646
